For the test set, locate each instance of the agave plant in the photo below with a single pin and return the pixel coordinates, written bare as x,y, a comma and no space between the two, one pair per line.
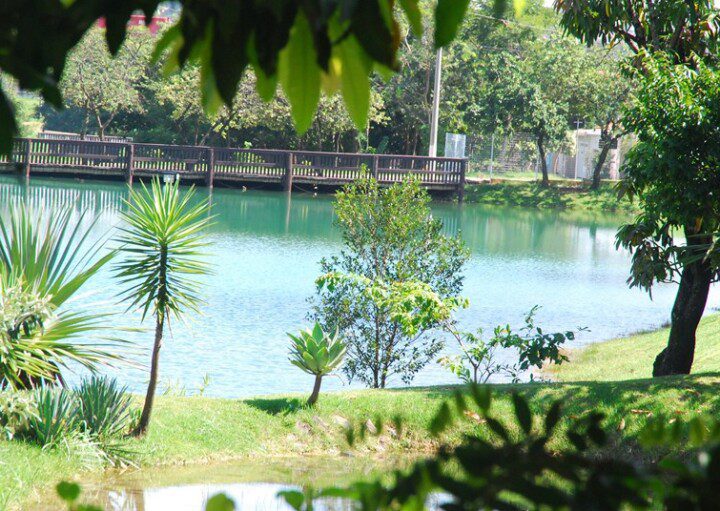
44,260
317,353
162,243
55,418
104,407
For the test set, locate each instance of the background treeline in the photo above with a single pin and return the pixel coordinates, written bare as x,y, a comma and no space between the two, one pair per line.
507,75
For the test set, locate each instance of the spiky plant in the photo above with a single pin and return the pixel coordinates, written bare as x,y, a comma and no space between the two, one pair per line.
104,407
317,353
44,260
162,243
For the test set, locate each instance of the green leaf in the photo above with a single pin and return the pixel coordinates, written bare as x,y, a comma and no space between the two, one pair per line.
412,11
299,74
355,80
448,16
220,502
69,492
522,412
211,99
295,499
442,420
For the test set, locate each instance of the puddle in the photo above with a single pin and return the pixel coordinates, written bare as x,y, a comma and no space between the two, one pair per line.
253,485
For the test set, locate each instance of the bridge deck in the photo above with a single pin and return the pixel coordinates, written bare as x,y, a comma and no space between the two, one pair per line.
230,165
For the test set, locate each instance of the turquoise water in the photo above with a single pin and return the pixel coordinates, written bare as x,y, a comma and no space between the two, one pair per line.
265,248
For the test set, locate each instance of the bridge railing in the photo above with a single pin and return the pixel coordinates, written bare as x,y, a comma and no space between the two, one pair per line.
212,163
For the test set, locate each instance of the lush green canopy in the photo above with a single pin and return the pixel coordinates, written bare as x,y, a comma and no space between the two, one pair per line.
303,45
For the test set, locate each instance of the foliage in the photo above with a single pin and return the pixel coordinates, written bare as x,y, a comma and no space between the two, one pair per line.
16,410
533,348
44,262
103,85
681,29
299,44
103,407
672,170
56,416
316,352
163,242
518,469
395,260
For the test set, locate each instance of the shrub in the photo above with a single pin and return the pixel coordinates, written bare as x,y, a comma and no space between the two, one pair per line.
56,416
16,410
104,407
317,353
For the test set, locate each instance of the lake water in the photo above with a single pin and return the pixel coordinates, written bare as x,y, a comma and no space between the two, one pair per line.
265,248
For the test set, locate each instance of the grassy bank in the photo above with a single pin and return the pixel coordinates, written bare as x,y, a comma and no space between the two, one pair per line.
204,430
632,357
556,196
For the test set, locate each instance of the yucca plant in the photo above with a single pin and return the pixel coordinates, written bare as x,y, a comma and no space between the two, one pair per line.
103,407
44,260
317,353
55,418
162,242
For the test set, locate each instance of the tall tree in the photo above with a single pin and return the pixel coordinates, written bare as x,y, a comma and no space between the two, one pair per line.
686,32
103,85
673,170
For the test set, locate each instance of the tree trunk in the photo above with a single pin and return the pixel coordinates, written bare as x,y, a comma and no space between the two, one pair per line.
142,426
543,163
677,357
599,165
316,391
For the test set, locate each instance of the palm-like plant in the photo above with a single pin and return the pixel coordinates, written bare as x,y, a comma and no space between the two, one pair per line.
317,353
44,261
162,244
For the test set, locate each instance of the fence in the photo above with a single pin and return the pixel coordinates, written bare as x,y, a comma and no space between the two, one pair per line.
231,165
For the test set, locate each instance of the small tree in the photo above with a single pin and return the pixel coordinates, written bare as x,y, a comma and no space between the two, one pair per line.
673,170
161,244
396,263
317,353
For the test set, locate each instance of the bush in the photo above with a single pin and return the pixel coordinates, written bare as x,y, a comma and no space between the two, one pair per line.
56,416
104,407
16,410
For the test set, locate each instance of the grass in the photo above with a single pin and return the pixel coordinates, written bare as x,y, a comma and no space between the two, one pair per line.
205,430
556,196
632,357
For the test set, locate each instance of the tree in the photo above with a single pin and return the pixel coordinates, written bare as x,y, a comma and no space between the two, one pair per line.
161,244
402,277
673,171
291,42
103,85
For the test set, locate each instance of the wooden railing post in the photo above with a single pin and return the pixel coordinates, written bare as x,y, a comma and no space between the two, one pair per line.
28,157
374,166
461,184
287,181
129,163
210,176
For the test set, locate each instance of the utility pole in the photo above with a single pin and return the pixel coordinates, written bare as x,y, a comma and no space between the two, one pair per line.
436,105
577,145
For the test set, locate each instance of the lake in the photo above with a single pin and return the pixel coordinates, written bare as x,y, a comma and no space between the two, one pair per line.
265,248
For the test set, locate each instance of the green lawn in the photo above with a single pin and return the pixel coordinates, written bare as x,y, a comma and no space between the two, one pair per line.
556,196
204,430
632,357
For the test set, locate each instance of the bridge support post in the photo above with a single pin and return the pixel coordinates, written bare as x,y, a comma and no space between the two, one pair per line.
288,179
28,157
210,176
129,163
461,184
374,167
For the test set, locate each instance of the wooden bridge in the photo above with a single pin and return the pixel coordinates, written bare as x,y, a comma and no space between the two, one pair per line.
229,166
